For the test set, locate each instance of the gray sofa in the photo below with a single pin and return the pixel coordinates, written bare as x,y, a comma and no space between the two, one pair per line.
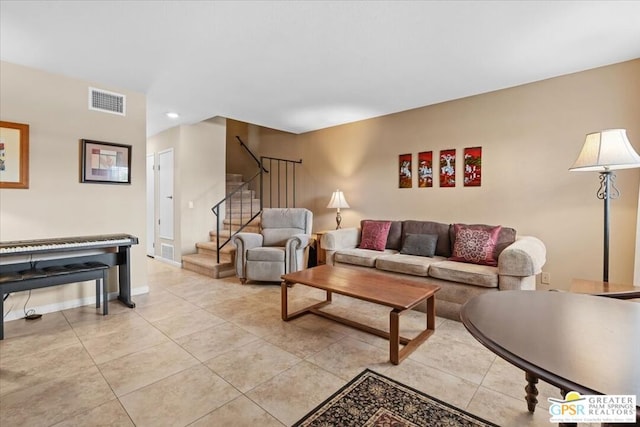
518,259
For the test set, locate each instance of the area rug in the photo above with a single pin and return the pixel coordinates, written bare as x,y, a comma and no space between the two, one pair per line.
373,400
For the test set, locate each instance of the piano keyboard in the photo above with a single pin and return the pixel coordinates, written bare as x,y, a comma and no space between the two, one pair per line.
24,247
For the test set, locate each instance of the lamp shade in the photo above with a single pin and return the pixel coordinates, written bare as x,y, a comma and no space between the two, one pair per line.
337,200
606,150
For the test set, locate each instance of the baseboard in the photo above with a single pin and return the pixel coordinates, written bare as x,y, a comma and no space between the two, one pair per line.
18,312
168,261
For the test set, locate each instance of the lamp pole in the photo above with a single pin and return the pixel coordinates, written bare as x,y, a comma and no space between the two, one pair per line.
607,192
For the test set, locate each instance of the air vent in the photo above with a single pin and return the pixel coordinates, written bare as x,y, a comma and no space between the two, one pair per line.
108,102
166,251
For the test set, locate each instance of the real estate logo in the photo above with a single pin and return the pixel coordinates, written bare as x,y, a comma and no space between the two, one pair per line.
576,408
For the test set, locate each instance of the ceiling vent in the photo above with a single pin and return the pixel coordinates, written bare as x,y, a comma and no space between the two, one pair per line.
108,102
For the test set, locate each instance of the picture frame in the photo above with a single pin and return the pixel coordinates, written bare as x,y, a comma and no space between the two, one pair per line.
448,168
405,170
105,162
473,167
14,155
425,169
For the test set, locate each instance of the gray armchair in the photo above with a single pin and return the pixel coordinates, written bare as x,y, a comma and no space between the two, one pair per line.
279,248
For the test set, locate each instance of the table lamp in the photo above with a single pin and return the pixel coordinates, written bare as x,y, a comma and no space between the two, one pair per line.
338,201
604,152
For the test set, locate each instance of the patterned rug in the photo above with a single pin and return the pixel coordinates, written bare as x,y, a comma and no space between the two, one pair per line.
373,400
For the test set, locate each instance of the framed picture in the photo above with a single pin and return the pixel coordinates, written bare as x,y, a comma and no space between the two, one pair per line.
105,162
425,169
14,155
404,165
472,166
448,168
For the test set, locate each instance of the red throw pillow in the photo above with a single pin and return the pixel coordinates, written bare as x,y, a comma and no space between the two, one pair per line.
475,245
374,235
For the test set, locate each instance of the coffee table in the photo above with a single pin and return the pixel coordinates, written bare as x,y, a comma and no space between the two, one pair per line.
401,295
576,342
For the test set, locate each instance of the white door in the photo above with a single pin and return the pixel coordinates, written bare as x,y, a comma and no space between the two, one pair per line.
151,206
165,190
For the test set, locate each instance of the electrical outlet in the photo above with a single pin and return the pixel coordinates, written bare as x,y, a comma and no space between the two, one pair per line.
546,278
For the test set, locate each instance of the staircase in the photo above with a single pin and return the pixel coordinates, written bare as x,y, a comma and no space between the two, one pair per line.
204,260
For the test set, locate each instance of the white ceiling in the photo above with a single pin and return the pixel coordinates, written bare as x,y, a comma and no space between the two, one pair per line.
303,65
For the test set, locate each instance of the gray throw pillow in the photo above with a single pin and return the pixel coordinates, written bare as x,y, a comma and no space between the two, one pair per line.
420,244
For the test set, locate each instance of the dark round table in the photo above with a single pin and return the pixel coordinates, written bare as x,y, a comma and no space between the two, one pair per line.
577,342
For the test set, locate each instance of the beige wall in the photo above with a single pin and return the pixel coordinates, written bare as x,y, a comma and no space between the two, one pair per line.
56,204
530,136
199,178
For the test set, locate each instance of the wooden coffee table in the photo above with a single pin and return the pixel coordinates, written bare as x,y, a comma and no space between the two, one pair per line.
400,295
576,342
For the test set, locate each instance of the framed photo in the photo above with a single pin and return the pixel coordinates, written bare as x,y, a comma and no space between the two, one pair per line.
448,168
472,166
105,162
425,169
14,155
404,166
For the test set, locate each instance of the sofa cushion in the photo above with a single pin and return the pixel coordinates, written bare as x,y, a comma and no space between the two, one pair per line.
406,264
471,274
270,253
475,244
506,237
420,244
443,246
394,239
374,234
362,257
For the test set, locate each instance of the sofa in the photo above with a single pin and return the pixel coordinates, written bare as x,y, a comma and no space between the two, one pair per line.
465,260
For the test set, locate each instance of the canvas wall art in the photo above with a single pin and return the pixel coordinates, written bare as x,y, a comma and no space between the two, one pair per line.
425,169
472,166
448,168
404,164
14,155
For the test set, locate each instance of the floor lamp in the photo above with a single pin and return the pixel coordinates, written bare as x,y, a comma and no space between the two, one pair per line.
604,152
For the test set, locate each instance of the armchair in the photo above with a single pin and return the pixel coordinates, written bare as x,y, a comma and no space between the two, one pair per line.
279,248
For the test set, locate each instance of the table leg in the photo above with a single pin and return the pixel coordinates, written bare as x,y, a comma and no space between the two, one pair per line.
284,286
532,391
394,337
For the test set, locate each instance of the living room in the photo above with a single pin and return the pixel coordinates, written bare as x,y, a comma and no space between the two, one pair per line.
530,135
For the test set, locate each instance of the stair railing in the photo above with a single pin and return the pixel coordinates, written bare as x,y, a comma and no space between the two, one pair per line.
281,184
243,145
281,187
240,191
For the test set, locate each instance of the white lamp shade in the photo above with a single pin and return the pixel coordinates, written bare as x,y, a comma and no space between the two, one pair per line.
606,150
337,200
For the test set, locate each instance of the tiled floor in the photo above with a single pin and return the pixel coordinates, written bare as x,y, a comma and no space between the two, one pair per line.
204,352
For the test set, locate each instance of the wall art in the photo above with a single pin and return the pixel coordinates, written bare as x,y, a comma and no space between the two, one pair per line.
14,155
404,164
472,166
448,168
425,169
105,162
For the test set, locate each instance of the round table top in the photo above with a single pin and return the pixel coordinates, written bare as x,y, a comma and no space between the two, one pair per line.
585,343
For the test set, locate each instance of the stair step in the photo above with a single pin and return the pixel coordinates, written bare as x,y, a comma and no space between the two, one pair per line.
237,221
234,177
247,210
224,234
243,195
207,266
210,248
